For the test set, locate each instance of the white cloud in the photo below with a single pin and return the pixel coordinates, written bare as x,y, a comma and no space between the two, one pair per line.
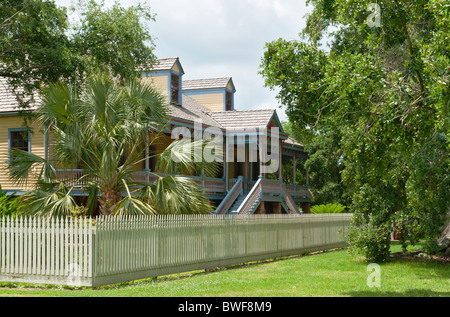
217,38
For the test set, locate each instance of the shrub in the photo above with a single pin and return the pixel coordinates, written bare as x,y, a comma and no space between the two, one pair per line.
78,212
368,238
328,209
9,204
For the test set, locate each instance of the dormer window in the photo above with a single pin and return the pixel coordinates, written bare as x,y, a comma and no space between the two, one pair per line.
175,89
228,101
216,94
167,75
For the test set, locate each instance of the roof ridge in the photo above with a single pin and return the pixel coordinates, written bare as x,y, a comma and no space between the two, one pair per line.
208,114
209,78
160,59
206,83
245,110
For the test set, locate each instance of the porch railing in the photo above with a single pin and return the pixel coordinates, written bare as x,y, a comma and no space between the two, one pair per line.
232,195
209,184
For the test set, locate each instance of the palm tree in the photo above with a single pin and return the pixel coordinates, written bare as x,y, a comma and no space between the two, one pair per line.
104,130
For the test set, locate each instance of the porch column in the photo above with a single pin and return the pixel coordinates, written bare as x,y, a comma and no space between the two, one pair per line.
203,181
225,170
280,163
295,168
261,174
46,142
147,160
307,177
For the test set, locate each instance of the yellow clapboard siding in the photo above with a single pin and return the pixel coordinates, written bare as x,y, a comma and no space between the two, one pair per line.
176,68
37,147
161,82
161,141
213,102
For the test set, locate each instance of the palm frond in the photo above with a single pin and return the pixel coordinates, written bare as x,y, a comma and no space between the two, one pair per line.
176,195
130,205
133,206
44,203
186,157
21,169
59,105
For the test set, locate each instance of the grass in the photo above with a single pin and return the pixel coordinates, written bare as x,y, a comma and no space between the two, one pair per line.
327,274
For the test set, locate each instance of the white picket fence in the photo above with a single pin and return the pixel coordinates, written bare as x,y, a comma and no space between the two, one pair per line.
107,250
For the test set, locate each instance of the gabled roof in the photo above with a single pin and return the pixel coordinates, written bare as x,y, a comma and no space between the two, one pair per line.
207,83
244,119
163,64
235,120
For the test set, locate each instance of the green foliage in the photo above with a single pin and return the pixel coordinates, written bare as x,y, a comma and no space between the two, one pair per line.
79,212
328,209
369,237
9,204
38,45
384,92
325,167
324,164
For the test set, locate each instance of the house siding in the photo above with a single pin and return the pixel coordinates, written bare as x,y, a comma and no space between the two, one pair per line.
176,68
161,82
213,102
37,146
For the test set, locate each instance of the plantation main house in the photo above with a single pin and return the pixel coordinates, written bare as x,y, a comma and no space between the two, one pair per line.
242,186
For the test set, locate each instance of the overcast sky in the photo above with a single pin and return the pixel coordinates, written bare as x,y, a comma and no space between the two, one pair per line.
224,38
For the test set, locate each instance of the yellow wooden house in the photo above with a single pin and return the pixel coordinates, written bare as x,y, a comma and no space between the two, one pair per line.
243,186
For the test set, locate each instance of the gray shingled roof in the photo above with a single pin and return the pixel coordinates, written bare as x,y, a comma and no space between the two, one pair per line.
293,142
206,83
191,111
243,119
8,101
159,64
164,63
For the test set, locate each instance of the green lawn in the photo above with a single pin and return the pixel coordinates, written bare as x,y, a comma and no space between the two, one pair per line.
335,273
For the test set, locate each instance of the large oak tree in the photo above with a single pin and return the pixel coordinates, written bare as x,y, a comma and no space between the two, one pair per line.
384,88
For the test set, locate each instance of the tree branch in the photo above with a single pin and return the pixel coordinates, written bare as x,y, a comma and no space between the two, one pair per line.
411,51
442,158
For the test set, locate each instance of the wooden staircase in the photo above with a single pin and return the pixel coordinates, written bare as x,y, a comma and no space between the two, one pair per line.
236,202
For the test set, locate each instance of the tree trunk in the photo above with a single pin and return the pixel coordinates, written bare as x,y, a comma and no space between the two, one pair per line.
108,200
444,240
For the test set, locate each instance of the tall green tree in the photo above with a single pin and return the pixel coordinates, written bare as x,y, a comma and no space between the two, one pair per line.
38,45
384,87
103,129
323,162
